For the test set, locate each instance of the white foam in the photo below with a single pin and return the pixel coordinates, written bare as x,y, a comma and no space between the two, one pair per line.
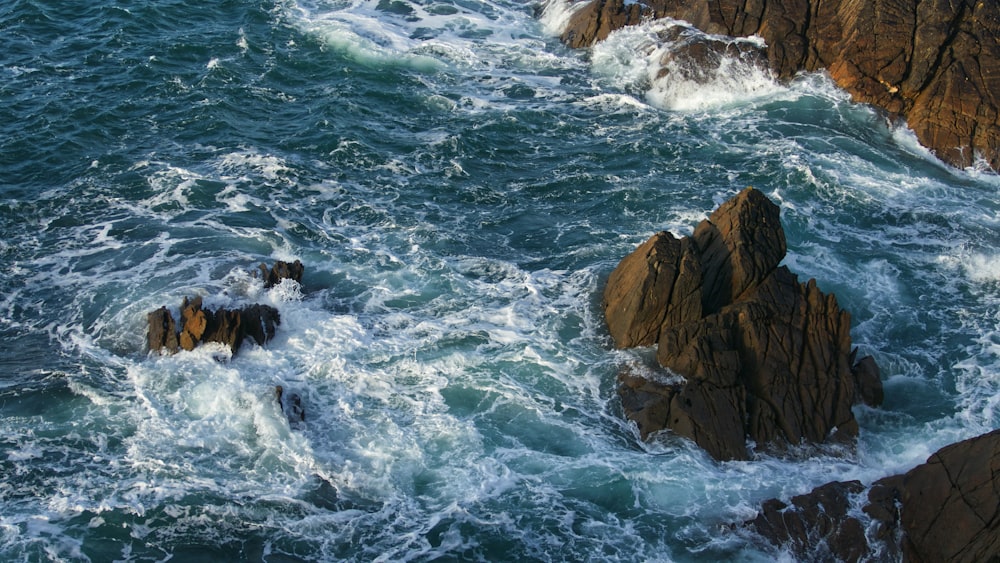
633,56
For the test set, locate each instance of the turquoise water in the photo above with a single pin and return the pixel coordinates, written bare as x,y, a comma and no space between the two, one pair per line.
459,186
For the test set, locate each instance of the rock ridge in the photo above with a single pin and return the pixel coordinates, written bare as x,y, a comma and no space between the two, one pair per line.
935,64
946,509
761,356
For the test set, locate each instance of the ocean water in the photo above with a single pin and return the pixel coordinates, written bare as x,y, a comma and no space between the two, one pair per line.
459,185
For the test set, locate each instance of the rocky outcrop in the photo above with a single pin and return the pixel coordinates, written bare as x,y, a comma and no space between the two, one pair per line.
226,326
759,355
280,271
198,326
934,63
947,509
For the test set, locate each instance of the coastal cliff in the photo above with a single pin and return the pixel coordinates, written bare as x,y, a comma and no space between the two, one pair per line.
935,64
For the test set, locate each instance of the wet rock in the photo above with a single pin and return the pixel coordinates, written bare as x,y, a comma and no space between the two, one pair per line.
816,526
162,332
281,270
935,64
199,326
760,355
194,321
260,322
658,283
947,509
950,505
291,404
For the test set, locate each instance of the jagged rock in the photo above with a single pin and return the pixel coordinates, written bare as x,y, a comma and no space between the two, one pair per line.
194,321
198,326
658,283
933,63
761,355
259,322
947,509
162,333
817,525
281,270
695,57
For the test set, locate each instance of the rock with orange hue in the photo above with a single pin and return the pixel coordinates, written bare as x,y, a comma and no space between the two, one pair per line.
935,63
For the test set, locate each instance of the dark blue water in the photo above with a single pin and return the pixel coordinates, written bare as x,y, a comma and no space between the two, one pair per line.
459,186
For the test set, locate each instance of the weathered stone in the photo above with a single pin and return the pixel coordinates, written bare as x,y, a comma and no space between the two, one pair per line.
199,325
281,270
194,321
947,509
162,331
226,327
760,355
259,322
935,63
658,283
951,504
816,526
740,244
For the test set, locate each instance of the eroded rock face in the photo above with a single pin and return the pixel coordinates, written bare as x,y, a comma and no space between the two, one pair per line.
281,270
947,509
761,355
935,63
226,326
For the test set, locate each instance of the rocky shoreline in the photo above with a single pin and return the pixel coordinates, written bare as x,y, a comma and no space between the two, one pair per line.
746,353
935,65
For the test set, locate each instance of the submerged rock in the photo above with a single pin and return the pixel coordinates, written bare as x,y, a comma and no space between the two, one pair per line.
935,64
760,355
947,509
290,404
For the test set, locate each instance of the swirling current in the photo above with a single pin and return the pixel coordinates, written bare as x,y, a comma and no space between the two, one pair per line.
459,185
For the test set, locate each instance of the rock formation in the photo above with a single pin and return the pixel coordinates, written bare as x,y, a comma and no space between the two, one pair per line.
947,509
225,326
198,326
281,270
759,355
934,63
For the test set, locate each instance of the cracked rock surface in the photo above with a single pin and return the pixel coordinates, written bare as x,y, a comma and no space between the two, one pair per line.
761,356
934,63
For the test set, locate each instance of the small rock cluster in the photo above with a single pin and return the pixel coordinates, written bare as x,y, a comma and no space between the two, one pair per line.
226,326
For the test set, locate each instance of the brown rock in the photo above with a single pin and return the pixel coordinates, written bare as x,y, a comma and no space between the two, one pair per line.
225,326
281,270
951,504
934,63
259,322
762,356
816,526
194,321
740,243
658,283
947,509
